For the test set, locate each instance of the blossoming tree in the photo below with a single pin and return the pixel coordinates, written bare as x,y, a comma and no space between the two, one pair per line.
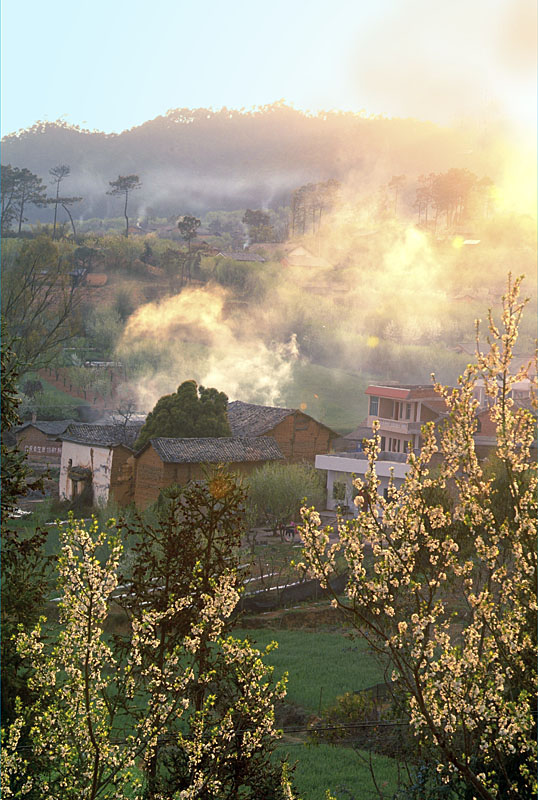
450,598
101,711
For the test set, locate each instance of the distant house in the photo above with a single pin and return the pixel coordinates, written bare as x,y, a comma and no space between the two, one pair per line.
40,440
167,462
301,257
342,468
98,457
402,411
299,436
485,436
242,255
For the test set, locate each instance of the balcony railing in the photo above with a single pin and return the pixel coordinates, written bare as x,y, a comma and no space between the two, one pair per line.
396,425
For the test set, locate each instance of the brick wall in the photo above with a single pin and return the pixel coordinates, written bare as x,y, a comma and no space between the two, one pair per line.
301,438
122,476
148,477
39,447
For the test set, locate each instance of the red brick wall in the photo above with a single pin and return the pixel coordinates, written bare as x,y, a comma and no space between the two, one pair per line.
148,479
39,447
122,476
301,438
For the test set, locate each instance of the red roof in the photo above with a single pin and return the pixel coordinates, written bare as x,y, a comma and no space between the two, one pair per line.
388,391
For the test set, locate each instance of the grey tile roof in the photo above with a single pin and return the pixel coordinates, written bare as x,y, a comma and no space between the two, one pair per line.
50,428
223,450
247,419
103,435
243,256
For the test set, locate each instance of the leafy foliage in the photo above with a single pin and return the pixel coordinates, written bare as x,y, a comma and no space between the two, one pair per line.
276,493
177,686
24,567
189,412
458,626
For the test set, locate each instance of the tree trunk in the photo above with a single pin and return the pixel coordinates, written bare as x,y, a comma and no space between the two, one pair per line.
71,219
126,217
56,209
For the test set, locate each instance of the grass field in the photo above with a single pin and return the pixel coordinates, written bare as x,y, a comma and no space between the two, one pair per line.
320,666
53,398
342,770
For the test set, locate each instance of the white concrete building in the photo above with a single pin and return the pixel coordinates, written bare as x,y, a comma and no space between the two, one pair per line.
97,456
343,467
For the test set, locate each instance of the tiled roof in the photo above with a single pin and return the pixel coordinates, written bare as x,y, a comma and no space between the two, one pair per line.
437,405
103,435
223,450
50,428
243,256
247,419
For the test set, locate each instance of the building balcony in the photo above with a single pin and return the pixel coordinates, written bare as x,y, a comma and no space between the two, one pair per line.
402,426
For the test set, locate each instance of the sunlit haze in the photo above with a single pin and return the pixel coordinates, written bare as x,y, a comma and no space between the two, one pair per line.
111,66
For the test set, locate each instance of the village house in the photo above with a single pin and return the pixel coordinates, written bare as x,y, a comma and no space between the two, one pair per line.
342,468
299,436
301,257
167,462
40,440
485,436
98,458
402,411
242,255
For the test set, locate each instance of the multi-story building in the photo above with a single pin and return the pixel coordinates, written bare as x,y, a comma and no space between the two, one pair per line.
401,411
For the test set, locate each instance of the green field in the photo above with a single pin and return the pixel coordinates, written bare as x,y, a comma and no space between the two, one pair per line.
319,665
342,770
51,399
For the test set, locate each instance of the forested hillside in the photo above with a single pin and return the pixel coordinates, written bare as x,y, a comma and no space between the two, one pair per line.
199,160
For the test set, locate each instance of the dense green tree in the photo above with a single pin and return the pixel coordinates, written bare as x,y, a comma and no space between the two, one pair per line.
19,187
259,225
276,493
187,227
23,564
189,412
122,187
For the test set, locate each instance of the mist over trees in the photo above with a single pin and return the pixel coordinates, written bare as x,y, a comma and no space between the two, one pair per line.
196,160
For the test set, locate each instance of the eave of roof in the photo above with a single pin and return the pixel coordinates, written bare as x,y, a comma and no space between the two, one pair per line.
221,450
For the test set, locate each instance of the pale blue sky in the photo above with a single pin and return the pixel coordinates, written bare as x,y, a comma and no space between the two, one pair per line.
111,65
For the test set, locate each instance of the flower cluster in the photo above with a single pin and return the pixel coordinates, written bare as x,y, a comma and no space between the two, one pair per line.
450,598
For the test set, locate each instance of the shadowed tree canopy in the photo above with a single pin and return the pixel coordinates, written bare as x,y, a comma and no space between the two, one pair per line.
188,226
191,412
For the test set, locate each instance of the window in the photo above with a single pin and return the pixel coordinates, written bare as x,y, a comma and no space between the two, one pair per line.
408,410
382,443
374,406
339,490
